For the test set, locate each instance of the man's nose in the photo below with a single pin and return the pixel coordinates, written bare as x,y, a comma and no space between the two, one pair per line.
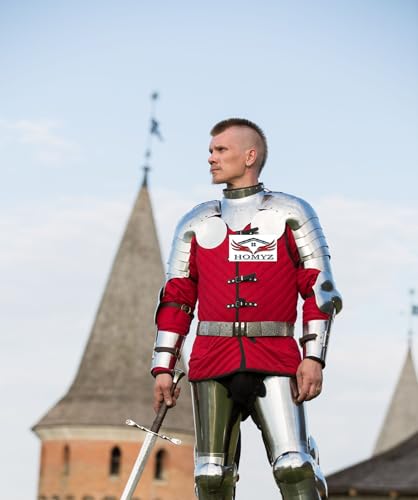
211,159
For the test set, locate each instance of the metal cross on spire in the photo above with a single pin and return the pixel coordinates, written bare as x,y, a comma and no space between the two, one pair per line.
154,130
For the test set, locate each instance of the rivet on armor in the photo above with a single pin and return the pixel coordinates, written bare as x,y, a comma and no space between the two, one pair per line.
327,286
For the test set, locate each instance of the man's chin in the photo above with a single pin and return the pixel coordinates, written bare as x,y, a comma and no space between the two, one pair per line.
218,180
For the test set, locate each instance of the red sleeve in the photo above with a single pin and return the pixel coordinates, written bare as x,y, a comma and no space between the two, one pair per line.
179,292
306,278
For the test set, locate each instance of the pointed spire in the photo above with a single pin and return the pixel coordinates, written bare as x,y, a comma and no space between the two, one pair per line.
113,381
145,179
401,419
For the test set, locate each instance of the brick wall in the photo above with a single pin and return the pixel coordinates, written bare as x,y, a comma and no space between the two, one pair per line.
83,471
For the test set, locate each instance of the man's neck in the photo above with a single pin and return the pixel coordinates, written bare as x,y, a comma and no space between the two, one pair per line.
243,183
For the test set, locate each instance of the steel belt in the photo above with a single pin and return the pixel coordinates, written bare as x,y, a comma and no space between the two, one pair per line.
245,329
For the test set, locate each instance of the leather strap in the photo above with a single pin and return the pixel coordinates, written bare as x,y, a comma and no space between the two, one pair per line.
184,307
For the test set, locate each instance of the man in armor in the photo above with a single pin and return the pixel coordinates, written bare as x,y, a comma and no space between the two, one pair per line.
246,259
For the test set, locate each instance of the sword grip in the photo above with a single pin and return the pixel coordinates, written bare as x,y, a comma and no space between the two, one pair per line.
155,427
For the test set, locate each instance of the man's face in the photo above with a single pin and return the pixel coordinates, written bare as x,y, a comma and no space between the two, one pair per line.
228,156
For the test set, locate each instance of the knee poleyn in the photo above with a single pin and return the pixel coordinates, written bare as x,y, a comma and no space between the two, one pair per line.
293,467
215,478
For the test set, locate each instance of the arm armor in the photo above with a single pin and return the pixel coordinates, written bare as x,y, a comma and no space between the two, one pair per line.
314,254
311,244
167,350
315,339
203,222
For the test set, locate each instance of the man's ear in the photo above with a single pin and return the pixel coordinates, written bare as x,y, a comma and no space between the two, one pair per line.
250,157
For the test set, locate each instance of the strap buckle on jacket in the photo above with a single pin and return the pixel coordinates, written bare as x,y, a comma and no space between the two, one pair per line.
183,307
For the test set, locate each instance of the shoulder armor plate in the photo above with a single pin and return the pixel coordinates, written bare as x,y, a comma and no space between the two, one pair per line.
204,222
279,209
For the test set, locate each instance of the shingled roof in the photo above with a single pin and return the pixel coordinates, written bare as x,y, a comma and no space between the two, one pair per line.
113,381
401,420
393,472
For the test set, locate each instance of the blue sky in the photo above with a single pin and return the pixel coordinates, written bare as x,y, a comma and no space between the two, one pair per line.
334,86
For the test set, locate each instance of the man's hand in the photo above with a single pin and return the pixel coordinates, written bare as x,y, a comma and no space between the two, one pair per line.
309,380
162,391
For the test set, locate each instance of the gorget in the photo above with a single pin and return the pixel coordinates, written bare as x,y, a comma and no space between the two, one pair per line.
239,210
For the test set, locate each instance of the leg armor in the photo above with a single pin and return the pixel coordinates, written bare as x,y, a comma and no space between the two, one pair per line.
292,454
217,434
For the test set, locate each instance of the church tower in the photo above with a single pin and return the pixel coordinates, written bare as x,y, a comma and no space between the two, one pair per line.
87,450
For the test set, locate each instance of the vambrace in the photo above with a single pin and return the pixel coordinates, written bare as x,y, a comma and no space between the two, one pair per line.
315,339
167,351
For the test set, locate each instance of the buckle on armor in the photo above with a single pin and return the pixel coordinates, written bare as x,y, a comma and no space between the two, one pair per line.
241,303
243,277
186,308
239,328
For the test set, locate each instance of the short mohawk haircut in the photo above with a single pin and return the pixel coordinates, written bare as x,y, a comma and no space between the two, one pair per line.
243,122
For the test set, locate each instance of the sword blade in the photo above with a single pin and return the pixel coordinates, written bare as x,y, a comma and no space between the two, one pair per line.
139,466
148,443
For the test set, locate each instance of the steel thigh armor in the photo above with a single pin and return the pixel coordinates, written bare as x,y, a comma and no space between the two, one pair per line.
293,458
292,454
217,434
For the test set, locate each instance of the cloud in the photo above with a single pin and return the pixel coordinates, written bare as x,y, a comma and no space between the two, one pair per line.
43,138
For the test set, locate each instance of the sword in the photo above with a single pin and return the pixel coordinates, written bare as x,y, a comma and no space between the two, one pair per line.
149,441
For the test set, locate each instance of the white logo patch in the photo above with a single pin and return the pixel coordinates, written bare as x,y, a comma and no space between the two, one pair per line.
258,248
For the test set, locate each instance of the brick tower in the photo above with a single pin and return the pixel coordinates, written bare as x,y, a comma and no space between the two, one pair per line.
87,450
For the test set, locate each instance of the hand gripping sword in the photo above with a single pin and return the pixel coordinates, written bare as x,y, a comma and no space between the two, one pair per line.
149,441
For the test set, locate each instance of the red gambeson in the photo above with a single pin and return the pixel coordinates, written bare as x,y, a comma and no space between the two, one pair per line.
275,292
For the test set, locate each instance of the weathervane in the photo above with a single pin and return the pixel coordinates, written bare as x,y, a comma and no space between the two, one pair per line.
413,311
154,130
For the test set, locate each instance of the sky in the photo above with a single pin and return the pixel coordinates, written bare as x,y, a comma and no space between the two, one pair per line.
334,85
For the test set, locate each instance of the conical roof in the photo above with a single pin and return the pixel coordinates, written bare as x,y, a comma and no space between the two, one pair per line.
113,381
401,419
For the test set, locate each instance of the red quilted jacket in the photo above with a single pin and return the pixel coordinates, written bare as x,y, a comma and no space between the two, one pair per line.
275,292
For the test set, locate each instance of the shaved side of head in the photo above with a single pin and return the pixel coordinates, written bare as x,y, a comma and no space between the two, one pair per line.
253,137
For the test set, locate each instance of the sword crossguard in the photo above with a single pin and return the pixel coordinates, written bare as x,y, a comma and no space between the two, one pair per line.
162,436
178,375
155,427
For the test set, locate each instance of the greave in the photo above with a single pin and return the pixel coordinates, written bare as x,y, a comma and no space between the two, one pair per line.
284,428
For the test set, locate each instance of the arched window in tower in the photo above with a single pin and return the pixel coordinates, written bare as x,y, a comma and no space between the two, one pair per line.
66,460
115,460
160,462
